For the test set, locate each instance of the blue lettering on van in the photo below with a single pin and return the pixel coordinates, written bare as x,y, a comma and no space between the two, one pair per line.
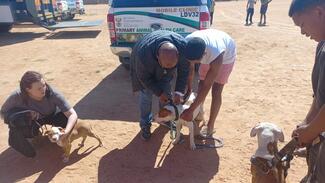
189,14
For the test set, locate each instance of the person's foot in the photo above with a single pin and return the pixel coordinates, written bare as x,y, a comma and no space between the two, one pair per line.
207,132
246,23
145,133
264,23
251,23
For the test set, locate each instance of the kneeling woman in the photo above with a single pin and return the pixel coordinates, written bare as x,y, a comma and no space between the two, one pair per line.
33,105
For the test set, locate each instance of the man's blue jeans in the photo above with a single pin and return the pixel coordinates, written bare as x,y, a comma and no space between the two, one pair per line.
146,107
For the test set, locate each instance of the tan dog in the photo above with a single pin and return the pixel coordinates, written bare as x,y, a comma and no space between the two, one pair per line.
263,167
81,129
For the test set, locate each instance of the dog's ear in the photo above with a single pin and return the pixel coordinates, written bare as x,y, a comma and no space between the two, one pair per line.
279,134
255,129
47,132
61,129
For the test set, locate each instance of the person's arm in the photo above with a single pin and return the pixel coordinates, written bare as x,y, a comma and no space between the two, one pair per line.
312,112
145,77
247,4
208,82
182,75
72,120
307,133
191,77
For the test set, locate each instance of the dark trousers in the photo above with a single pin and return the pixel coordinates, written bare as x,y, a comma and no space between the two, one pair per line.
250,13
17,136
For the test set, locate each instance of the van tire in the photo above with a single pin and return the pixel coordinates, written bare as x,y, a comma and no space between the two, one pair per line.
125,61
5,28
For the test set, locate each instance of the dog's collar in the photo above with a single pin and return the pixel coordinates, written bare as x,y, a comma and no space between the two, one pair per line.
175,109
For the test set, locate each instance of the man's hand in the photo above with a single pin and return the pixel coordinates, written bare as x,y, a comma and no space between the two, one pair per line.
178,99
187,115
304,134
163,98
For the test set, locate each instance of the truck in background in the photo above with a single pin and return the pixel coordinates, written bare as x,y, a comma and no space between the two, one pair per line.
41,12
130,20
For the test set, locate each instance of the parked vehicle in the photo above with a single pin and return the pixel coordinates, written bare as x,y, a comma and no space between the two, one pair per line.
69,8
42,12
129,20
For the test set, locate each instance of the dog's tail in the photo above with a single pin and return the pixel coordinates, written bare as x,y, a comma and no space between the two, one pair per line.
91,134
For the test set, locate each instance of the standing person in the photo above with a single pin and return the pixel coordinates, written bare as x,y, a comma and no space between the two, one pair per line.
47,105
309,15
250,11
215,51
154,61
263,10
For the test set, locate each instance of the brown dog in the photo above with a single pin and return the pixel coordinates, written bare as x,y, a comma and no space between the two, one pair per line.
81,129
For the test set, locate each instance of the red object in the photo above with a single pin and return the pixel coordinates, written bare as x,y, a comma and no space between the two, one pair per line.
204,20
111,27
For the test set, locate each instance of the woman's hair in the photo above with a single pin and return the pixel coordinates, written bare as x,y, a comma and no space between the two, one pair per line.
28,79
298,6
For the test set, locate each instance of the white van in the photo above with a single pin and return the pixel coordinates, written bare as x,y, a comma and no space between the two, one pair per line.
130,20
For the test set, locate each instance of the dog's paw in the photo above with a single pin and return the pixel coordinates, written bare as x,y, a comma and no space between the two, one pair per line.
193,147
65,159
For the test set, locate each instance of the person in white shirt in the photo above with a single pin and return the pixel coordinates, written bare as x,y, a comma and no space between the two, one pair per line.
215,51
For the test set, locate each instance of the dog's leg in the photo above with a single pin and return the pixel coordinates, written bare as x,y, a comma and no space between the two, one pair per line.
91,134
83,141
191,129
66,153
178,132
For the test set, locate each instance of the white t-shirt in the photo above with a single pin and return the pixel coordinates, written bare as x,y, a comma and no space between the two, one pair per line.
216,42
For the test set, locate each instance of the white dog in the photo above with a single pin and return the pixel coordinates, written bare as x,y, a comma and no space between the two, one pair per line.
266,133
169,113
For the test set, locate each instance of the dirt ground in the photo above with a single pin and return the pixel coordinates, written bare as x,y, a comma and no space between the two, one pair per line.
270,82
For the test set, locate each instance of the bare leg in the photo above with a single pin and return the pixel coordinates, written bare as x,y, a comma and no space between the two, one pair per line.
83,141
215,105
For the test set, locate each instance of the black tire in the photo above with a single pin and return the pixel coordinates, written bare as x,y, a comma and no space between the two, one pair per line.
125,61
5,28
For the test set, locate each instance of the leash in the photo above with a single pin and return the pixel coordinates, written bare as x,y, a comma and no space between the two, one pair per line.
172,126
218,143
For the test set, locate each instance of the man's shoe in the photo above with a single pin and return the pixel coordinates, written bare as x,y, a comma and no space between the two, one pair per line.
145,133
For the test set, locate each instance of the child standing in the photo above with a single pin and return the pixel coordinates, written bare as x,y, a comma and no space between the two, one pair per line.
250,11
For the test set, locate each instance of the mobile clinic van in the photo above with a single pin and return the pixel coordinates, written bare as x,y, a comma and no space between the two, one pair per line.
129,20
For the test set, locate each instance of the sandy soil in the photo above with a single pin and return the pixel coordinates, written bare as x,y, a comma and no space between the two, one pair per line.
270,82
